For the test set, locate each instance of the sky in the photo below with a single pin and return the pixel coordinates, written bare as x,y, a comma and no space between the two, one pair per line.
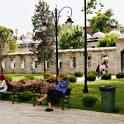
16,14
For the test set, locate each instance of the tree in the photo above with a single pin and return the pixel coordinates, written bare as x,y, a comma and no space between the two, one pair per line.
109,40
71,37
92,5
45,50
98,23
102,21
7,43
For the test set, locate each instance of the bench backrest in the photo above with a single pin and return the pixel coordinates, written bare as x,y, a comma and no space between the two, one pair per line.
68,92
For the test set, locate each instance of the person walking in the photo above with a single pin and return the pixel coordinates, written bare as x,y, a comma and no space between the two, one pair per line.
98,71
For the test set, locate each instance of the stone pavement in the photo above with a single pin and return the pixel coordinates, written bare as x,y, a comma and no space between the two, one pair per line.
22,113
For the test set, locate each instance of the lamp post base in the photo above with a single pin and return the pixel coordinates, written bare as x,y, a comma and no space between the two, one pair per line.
85,89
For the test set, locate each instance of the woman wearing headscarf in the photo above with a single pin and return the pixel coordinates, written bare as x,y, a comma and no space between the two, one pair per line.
4,84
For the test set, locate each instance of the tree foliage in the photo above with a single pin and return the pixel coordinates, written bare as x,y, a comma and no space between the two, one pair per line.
71,37
44,50
98,22
109,40
93,6
7,42
101,21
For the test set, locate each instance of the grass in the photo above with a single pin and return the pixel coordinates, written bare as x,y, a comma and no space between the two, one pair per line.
93,88
17,77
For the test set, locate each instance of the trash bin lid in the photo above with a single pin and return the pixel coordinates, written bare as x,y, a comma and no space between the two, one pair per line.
107,88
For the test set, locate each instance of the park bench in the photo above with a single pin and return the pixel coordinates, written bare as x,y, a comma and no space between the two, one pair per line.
65,99
15,92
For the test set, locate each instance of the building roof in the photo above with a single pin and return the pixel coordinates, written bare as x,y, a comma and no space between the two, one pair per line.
98,35
27,41
115,32
88,36
121,36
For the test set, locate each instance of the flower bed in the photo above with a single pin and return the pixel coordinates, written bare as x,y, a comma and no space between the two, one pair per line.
29,85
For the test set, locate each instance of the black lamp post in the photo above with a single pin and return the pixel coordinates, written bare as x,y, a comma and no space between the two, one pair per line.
85,50
56,19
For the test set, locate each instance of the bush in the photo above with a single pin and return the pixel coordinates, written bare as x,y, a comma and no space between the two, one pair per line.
30,76
91,77
120,75
106,76
92,72
66,75
25,96
8,77
47,75
24,80
89,100
72,78
5,96
78,74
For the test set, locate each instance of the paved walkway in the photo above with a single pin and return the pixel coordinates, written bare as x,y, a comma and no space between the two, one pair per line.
21,113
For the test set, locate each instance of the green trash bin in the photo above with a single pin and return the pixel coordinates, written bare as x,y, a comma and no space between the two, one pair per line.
108,98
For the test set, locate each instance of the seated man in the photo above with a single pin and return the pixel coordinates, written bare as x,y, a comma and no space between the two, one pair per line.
4,84
58,91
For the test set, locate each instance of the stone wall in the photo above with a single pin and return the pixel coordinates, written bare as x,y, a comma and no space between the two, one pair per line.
66,56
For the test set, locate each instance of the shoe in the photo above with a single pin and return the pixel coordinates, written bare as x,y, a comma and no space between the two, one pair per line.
48,110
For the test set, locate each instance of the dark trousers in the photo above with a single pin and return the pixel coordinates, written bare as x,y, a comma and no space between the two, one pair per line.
53,93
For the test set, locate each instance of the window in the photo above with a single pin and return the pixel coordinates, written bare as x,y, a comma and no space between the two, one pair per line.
3,63
105,59
59,64
36,63
23,63
73,62
12,63
46,64
89,62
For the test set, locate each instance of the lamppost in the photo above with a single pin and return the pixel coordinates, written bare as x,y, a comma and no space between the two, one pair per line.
85,50
69,22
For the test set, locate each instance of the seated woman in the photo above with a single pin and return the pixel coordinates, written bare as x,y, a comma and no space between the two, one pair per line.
4,84
58,91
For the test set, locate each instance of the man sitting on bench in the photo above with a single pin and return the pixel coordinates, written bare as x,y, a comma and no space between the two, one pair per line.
58,91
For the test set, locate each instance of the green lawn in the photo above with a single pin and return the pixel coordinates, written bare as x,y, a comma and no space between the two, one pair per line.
93,88
17,77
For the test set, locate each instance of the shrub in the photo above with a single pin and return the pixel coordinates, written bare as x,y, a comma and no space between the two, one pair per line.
30,76
72,78
78,74
120,75
106,76
92,72
66,75
24,80
89,100
25,96
91,77
8,77
5,96
47,75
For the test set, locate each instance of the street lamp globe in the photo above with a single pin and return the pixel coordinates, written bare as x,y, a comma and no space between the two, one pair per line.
44,26
69,22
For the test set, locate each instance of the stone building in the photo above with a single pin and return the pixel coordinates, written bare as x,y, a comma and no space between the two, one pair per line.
70,60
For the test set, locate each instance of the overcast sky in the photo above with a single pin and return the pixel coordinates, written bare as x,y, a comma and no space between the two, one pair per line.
16,14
